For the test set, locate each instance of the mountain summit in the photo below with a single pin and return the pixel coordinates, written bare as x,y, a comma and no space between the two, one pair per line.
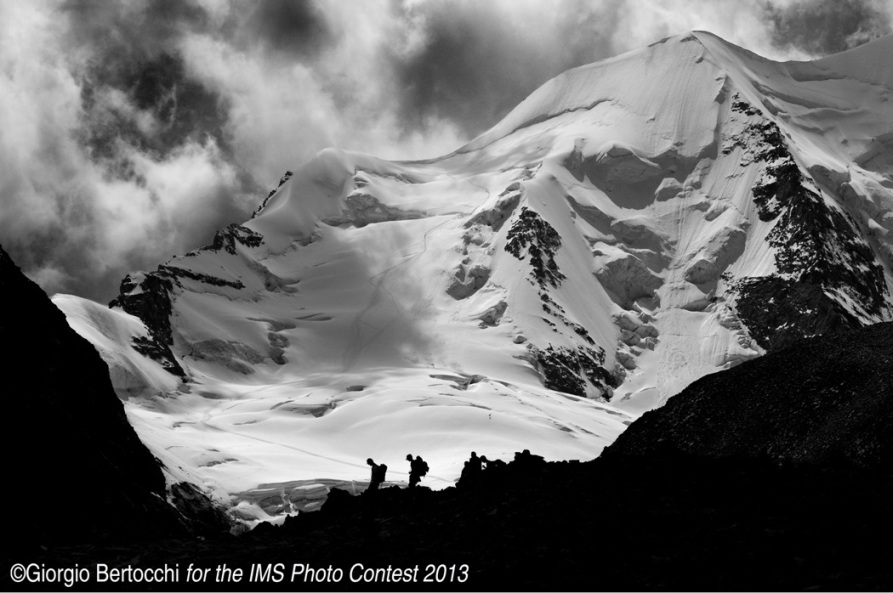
631,226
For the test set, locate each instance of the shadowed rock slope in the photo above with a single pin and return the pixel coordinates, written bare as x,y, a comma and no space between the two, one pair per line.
825,400
76,470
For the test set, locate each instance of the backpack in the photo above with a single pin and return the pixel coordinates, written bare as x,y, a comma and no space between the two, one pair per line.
423,468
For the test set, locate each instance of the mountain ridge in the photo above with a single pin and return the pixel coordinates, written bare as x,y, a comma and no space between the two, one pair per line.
698,207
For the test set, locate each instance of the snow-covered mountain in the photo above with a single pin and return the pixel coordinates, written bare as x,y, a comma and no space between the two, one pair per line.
631,226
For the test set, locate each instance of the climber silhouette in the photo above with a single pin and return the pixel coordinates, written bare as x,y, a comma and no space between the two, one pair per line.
417,469
471,472
527,462
378,474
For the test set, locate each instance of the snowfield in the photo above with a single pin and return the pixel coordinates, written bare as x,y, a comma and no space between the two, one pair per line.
618,235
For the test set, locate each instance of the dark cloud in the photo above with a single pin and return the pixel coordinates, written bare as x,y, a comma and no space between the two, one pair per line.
293,27
138,95
132,30
823,27
135,87
475,63
150,104
129,160
63,253
76,248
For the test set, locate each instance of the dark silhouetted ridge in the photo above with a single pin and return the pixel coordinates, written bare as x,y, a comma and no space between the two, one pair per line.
825,400
77,470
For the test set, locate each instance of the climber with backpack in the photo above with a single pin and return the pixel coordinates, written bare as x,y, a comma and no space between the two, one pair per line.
418,468
379,471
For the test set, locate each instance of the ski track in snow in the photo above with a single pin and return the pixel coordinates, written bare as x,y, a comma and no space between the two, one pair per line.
356,345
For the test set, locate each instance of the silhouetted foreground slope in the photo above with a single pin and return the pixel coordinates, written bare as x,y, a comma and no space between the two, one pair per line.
75,469
647,523
825,400
788,489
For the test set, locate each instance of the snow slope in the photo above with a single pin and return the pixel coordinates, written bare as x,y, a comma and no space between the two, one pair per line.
631,226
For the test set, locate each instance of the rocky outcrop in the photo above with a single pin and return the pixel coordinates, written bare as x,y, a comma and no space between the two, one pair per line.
779,312
148,296
577,371
532,236
580,370
232,235
288,175
827,275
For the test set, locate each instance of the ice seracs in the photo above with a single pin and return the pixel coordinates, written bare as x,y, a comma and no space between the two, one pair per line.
631,226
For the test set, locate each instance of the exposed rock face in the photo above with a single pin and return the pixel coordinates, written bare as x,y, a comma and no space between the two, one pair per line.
578,371
148,296
282,180
574,371
235,233
827,400
828,277
539,239
69,433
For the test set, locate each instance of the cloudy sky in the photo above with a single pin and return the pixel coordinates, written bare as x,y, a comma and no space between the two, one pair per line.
131,130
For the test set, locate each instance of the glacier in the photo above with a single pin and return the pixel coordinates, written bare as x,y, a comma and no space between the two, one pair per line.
631,226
